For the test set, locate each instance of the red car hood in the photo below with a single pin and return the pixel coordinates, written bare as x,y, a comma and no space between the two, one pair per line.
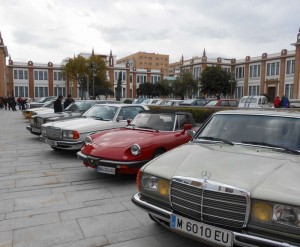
121,138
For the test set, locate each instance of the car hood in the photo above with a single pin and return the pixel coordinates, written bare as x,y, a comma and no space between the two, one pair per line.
266,174
121,138
81,124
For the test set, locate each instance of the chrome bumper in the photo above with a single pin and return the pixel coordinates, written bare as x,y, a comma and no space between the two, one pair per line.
87,158
241,239
65,145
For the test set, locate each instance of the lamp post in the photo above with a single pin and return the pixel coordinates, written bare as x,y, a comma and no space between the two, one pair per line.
93,71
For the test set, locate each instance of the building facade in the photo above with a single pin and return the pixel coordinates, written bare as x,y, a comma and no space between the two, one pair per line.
145,60
271,74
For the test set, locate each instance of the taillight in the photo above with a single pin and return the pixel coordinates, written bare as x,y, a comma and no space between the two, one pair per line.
75,134
138,180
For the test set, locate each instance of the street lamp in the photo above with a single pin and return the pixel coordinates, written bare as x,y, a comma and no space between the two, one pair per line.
93,71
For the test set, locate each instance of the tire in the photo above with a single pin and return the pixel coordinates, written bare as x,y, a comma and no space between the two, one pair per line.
157,153
55,148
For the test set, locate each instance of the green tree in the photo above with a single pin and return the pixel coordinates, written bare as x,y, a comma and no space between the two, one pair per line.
145,89
85,70
216,81
161,88
185,84
119,87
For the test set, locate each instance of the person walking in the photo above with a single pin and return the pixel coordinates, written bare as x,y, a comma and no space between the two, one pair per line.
58,104
68,101
284,103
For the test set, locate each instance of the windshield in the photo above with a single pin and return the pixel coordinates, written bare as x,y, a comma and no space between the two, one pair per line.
273,130
42,100
79,106
48,104
212,103
102,112
164,122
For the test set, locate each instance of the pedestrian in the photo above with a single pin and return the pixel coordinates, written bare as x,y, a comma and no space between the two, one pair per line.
58,104
13,103
276,102
5,102
68,101
284,103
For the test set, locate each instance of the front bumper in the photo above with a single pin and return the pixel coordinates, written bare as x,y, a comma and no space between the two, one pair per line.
34,131
93,161
240,239
64,145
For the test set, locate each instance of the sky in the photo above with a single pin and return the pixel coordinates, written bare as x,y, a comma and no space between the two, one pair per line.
52,30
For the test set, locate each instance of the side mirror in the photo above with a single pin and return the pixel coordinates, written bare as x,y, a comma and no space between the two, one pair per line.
128,121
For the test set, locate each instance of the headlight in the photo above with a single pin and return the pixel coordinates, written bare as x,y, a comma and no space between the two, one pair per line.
135,149
275,215
70,134
44,131
155,185
88,140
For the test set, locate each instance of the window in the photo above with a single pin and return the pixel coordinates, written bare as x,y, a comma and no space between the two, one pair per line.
40,92
21,91
41,75
20,74
288,92
130,78
59,90
155,79
273,68
196,72
239,92
254,90
254,71
290,67
141,78
239,72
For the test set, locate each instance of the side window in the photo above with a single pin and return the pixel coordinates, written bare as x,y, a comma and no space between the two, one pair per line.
224,103
181,120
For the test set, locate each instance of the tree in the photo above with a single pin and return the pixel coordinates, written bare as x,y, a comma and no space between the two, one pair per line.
216,81
185,84
119,87
145,89
83,70
161,88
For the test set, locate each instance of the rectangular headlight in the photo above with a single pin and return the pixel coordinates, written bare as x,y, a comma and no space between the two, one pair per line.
155,185
68,134
274,215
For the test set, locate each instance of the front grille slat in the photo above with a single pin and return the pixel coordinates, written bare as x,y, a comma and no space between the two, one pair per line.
54,133
220,206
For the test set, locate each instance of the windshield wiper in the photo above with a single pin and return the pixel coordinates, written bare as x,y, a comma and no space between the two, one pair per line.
293,151
216,139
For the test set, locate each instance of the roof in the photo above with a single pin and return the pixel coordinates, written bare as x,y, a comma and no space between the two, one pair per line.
276,112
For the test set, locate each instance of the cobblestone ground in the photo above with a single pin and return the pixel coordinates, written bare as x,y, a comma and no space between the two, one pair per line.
48,198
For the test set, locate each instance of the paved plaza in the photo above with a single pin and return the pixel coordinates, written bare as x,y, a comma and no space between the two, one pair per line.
48,198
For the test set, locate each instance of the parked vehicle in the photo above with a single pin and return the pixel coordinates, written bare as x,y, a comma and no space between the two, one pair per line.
254,102
46,108
172,102
125,150
235,184
194,102
41,102
294,103
138,100
70,134
222,103
74,110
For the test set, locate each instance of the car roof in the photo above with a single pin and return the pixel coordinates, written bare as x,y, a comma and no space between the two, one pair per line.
260,112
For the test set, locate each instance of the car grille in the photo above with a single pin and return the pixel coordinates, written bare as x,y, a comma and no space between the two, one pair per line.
36,122
210,202
54,133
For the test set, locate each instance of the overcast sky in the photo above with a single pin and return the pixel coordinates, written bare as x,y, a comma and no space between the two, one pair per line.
52,30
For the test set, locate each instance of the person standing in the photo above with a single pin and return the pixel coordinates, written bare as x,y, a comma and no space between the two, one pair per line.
284,103
276,102
58,104
68,101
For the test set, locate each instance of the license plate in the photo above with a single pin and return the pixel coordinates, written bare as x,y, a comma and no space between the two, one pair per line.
51,143
202,231
107,170
36,130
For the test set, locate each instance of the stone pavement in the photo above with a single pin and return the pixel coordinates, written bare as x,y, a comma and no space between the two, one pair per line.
48,198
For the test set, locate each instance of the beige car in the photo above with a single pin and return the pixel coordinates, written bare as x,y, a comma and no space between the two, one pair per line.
236,183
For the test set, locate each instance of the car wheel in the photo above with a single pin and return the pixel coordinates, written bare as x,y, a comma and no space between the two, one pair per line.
55,148
157,153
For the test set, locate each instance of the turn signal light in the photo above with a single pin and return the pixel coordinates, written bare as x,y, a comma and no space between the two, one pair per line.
75,134
262,211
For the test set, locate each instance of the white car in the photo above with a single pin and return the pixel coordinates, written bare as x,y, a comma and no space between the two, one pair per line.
254,102
235,184
70,134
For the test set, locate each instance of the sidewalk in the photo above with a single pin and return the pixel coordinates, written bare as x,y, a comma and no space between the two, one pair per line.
48,198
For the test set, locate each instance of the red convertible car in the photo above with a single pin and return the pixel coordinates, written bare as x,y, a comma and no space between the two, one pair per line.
126,150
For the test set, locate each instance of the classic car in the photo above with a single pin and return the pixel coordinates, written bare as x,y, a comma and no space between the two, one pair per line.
74,110
46,108
125,150
222,103
236,183
41,102
70,134
259,101
194,102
